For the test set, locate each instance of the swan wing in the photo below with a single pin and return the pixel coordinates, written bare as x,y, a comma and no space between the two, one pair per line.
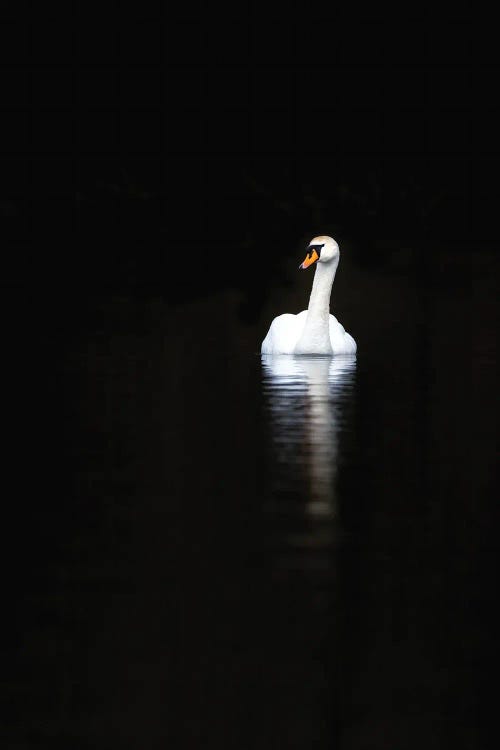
284,333
342,342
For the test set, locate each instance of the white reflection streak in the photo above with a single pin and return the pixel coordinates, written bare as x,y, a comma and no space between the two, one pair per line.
304,394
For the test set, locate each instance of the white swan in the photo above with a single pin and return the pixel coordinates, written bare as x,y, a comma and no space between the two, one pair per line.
315,330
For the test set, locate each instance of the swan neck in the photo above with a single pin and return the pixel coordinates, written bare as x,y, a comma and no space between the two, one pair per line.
315,337
319,301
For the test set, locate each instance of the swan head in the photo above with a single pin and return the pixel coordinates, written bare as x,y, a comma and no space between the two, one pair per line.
321,249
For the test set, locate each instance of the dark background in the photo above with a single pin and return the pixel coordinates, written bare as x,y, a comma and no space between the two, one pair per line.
133,138
158,162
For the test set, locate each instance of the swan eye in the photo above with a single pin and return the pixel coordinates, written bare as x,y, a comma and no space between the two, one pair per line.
317,248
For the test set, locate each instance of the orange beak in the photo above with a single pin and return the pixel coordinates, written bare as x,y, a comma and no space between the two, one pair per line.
310,258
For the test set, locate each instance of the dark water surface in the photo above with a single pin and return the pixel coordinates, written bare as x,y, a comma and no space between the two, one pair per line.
224,551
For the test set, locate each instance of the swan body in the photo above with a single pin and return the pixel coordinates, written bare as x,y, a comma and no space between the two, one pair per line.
315,330
285,332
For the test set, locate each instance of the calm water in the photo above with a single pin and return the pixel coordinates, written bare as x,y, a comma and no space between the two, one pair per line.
230,551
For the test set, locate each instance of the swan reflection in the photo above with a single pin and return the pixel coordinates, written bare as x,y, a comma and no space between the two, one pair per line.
305,396
305,399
